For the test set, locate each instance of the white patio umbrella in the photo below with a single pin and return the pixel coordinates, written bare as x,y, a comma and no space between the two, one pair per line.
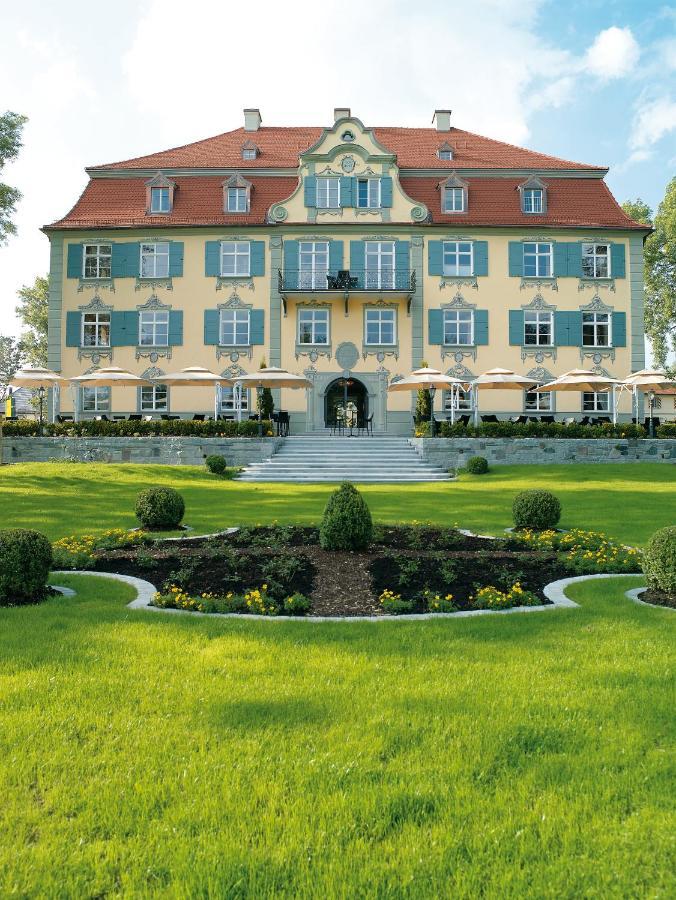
196,376
582,380
40,379
272,377
648,381
427,379
108,376
497,380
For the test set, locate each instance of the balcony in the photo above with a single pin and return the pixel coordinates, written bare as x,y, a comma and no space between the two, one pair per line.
342,283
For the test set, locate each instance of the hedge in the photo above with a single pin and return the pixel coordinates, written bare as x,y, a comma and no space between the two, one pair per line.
668,430
125,428
540,429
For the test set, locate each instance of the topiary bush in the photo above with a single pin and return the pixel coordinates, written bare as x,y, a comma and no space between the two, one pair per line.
659,560
346,524
536,509
160,507
216,464
477,465
25,560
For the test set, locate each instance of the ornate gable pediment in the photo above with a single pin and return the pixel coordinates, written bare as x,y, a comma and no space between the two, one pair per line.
453,180
160,180
238,181
533,182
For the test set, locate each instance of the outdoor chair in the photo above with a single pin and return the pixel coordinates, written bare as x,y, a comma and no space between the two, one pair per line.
283,423
135,417
61,419
336,425
569,420
489,418
198,417
102,418
584,420
519,420
464,420
646,423
547,419
119,418
601,420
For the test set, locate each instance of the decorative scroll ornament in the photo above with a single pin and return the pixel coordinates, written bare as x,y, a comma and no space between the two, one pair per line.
538,303
89,284
597,305
153,302
233,371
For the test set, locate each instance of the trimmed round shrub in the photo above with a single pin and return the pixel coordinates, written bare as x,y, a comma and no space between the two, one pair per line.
216,464
536,509
659,560
346,524
25,560
160,507
477,465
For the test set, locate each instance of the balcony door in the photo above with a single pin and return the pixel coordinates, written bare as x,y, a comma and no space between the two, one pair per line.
313,265
379,262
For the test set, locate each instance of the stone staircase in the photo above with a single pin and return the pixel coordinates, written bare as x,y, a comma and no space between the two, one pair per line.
318,457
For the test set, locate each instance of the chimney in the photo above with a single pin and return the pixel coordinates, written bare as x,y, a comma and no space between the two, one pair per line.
341,112
252,119
442,117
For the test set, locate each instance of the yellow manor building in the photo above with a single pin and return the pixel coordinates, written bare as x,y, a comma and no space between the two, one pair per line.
349,254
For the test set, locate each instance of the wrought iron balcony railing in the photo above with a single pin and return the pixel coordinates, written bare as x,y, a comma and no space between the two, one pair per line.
346,280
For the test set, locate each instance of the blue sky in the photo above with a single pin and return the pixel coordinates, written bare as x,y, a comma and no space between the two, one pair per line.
590,81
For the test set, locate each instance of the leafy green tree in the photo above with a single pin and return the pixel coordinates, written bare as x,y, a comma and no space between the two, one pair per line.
11,127
264,402
11,358
660,272
32,310
423,405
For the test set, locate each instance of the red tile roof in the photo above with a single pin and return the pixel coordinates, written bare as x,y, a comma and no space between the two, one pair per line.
414,148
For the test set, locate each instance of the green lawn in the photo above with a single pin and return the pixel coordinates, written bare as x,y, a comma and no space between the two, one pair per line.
502,757
629,501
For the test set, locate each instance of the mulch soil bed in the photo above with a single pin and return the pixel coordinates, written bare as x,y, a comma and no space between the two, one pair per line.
658,598
405,559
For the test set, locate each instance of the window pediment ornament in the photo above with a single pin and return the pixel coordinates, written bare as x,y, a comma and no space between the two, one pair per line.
152,372
458,302
533,182
237,180
460,371
597,305
539,373
233,371
96,304
160,180
153,302
537,303
234,301
453,180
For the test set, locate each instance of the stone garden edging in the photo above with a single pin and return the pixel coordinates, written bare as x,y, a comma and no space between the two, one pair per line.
635,595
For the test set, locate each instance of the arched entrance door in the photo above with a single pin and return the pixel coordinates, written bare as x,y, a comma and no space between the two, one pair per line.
341,392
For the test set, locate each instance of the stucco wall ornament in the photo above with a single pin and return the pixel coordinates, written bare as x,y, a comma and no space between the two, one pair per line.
347,164
347,355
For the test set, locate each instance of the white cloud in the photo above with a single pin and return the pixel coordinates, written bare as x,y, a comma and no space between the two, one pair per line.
652,122
613,54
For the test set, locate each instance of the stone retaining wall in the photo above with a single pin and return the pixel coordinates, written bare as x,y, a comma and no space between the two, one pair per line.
454,452
176,451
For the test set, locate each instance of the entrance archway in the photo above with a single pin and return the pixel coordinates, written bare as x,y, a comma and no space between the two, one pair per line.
342,391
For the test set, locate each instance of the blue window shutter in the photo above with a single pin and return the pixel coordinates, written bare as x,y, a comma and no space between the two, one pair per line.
562,329
133,262
481,327
435,265
176,259
560,259
435,326
175,327
401,262
335,256
123,328
357,260
386,191
257,326
118,262
515,258
516,326
291,264
257,251
481,258
212,319
310,190
74,269
73,323
355,192
575,260
346,190
212,258
575,329
619,333
617,263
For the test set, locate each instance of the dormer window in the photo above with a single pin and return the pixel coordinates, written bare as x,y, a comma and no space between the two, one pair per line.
445,152
159,200
237,195
159,195
454,199
533,197
249,150
237,199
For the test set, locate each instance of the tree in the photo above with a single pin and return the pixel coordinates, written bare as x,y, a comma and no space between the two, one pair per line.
32,310
265,403
423,405
659,272
11,127
11,358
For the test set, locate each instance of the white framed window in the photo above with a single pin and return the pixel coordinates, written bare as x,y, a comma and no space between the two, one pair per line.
154,398
596,401
235,258
596,331
95,329
249,153
228,400
235,327
458,327
328,193
380,327
537,260
96,399
153,328
445,154
537,401
155,260
538,328
368,193
238,200
533,200
595,261
454,199
313,326
463,399
458,257
97,260
313,258
379,263
159,200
